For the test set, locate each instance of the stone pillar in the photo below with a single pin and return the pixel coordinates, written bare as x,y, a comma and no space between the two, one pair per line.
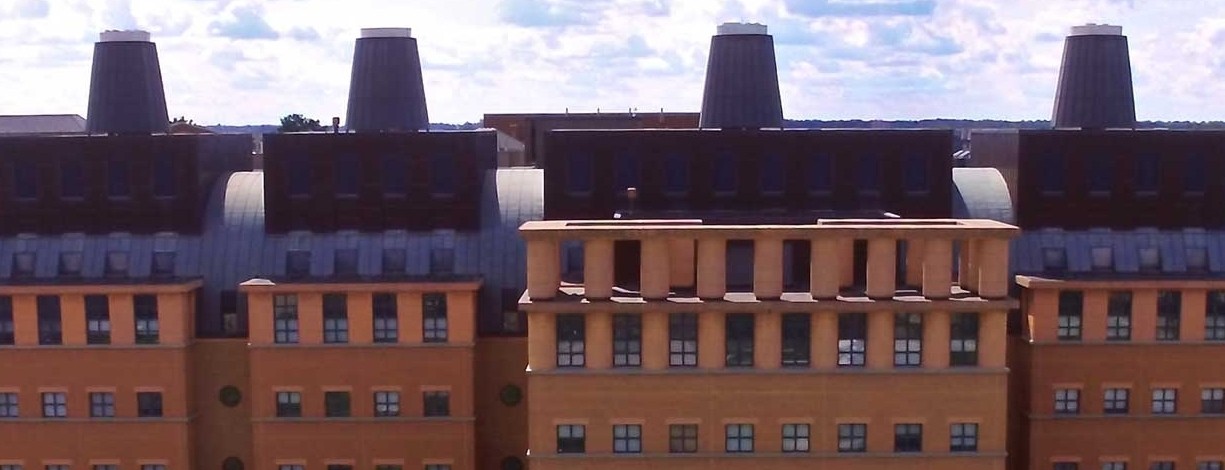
915,255
1192,323
846,261
882,268
767,340
1144,315
936,339
880,340
825,275
543,268
992,338
712,344
598,268
992,265
712,268
1093,315
654,268
825,340
767,268
654,340
937,268
967,273
598,340
541,341
681,252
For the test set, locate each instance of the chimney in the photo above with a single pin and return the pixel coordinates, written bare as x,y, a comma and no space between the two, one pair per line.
386,91
741,80
1095,80
125,90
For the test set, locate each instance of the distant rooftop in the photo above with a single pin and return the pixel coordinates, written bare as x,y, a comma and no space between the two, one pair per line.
41,124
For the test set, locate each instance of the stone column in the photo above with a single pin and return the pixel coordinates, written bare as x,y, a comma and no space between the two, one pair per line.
937,268
992,266
936,339
825,272
992,338
654,340
712,268
541,341
1144,315
967,273
767,268
915,255
767,340
598,340
543,269
880,340
654,268
825,340
681,253
598,268
882,268
712,344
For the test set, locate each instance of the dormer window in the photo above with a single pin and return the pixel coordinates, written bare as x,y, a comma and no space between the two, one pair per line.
1150,258
70,263
163,264
1054,259
297,263
1197,259
23,264
1103,258
345,262
394,261
117,264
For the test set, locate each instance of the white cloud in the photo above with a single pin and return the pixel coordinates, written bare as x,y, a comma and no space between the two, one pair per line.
900,59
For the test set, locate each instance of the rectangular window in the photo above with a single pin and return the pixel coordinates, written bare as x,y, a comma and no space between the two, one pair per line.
1150,258
1214,318
739,339
1067,401
1202,465
571,340
50,326
868,174
1071,304
963,437
346,171
300,174
437,403
336,404
1118,316
163,264
915,178
7,327
335,318
1195,175
963,340
395,262
344,262
55,404
119,180
8,405
771,171
853,437
298,263
394,174
683,339
852,339
1169,315
101,405
25,179
1114,465
1161,465
627,340
386,404
291,467
144,309
434,317
629,172
795,437
627,439
72,179
288,404
23,265
1053,176
739,438
1116,401
1165,401
149,404
682,438
676,174
579,173
438,466
571,439
1212,401
442,174
1100,169
108,467
386,318
738,264
1197,259
285,318
117,264
908,437
97,319
797,340
820,173
907,340
723,171
1055,259
164,177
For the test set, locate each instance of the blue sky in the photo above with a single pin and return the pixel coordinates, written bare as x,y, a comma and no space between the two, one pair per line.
248,61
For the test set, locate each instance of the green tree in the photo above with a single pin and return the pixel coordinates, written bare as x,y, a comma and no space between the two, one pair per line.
182,119
298,123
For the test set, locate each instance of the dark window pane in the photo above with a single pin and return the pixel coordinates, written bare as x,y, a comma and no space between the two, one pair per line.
676,173
723,172
345,262
72,179
336,404
442,174
394,173
299,171
164,178
629,172
1195,176
1052,175
394,261
771,173
298,263
1148,173
578,172
797,338
739,339
7,326
347,174
97,319
50,326
868,173
163,263
144,308
916,170
25,179
149,404
119,179
820,174
1100,170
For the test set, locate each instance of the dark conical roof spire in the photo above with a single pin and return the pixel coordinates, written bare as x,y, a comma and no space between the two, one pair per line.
386,91
125,88
1095,80
741,80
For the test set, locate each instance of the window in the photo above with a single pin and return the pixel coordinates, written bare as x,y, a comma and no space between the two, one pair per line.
7,334
55,405
1100,169
72,179
770,173
738,264
285,322
739,438
344,262
107,467
395,261
1118,316
346,170
25,179
915,177
394,175
50,328
97,319
868,174
724,170
299,169
570,340
149,404
164,177
144,309
119,180
1209,465
291,467
852,339
1212,401
676,174
386,404
1214,319
335,318
1115,401
1161,465
1071,304
1150,259
682,438
795,437
571,439
116,264
1103,258
627,340
907,340
442,261
853,437
627,439
297,263
1055,259
578,173
908,437
442,174
1114,465
739,339
1053,176
336,404
70,263
288,404
163,264
963,340
8,405
434,312
1197,259
1169,315
386,319
438,466
629,171
797,339
683,339
1165,401
963,437
56,467
23,264
101,405
437,403
820,174
1195,176
1067,401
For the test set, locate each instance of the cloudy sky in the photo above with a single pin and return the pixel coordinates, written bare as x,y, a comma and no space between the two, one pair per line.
252,61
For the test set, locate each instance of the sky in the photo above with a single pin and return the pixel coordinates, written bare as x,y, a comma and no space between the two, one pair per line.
251,62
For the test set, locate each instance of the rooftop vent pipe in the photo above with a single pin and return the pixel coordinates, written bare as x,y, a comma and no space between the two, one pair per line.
1095,80
386,91
125,88
741,80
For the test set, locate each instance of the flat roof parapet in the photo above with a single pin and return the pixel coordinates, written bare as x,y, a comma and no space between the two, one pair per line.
901,228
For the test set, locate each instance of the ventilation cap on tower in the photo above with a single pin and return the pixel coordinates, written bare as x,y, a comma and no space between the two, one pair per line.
386,90
1095,89
741,80
125,88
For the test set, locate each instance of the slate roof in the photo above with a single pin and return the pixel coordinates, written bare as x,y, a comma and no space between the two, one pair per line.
35,124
